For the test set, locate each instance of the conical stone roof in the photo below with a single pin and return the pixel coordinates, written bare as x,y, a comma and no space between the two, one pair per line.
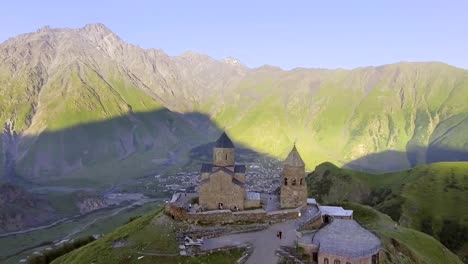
294,159
224,141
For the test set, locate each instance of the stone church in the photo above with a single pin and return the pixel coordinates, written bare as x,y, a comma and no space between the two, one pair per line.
222,183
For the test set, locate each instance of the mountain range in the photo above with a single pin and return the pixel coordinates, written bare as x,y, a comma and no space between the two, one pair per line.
84,104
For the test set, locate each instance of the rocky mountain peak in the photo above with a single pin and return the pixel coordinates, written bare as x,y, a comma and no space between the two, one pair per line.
44,29
97,28
232,61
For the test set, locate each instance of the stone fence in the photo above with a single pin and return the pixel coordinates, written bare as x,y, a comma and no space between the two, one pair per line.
229,217
313,223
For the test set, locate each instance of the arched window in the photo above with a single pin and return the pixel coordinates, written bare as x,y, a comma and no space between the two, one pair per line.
293,182
300,181
325,261
337,261
285,181
226,156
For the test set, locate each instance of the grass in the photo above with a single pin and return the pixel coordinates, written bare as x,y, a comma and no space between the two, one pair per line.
401,244
152,233
427,198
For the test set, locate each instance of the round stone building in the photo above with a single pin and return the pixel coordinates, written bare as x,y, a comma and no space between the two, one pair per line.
342,241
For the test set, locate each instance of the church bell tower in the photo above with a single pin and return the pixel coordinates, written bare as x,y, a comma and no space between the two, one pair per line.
293,192
223,152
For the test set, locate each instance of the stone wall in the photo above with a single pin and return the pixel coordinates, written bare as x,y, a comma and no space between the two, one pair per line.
293,187
221,189
309,248
314,223
252,203
240,176
223,157
228,217
343,260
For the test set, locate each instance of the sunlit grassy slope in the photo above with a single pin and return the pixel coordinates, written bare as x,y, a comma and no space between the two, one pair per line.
430,198
152,234
401,244
344,115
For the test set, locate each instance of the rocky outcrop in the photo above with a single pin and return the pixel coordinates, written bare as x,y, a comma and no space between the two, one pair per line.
9,150
20,209
87,202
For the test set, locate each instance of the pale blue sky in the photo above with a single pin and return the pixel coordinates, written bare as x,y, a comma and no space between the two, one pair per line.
288,34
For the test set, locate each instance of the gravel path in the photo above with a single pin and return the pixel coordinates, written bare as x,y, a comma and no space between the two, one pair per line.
264,242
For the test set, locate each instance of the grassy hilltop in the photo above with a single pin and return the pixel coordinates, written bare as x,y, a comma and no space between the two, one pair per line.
151,236
430,198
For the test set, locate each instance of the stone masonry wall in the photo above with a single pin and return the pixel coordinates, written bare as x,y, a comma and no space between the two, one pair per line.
221,189
344,260
228,217
223,157
293,196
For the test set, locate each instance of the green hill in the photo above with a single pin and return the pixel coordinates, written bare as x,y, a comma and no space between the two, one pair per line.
151,236
401,244
430,198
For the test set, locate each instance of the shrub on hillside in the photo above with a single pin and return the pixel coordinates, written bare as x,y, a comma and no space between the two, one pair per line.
133,218
453,235
49,256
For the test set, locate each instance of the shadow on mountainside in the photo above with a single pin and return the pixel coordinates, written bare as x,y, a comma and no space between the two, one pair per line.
102,156
390,161
128,146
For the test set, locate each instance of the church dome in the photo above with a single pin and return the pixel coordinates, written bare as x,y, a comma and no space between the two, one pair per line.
294,159
224,142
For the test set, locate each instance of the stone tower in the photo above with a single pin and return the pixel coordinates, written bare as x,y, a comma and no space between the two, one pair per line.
293,186
223,152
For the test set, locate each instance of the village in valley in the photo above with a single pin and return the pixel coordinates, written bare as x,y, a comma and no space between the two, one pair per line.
223,212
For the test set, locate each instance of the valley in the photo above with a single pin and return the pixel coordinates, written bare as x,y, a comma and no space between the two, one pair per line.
18,245
98,131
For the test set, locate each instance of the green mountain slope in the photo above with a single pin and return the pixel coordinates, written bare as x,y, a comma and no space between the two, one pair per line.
82,102
430,198
401,244
151,236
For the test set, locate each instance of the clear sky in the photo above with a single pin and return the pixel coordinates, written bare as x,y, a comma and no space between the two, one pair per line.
288,34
